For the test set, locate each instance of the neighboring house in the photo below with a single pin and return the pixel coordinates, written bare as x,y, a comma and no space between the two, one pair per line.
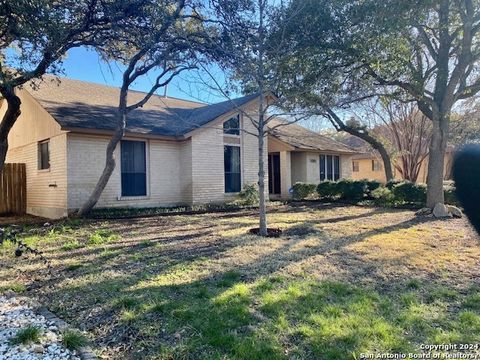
369,165
296,154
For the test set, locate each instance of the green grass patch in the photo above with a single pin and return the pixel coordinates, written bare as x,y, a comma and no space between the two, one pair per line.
102,236
126,303
15,287
30,334
472,302
74,340
72,245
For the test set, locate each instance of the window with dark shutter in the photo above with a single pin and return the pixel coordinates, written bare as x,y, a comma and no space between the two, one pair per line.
233,178
44,155
134,168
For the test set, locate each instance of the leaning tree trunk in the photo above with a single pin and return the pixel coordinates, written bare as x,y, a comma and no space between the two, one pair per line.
8,120
387,163
363,134
110,164
436,161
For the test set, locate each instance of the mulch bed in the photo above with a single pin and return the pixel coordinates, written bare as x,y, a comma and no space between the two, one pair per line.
271,232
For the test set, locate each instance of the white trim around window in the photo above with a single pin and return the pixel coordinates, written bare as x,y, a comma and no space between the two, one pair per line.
121,197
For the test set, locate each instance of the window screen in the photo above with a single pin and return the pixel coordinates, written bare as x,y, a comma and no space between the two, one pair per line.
43,155
134,168
232,169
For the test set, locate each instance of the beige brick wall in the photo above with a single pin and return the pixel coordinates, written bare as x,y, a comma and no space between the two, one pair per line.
299,167
165,177
46,189
366,172
306,167
346,166
208,166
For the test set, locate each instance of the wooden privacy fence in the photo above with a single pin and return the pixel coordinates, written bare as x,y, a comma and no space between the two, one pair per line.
13,189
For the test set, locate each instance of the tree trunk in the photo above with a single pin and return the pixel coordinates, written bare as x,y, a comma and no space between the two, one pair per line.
363,134
436,161
262,208
9,118
387,163
110,164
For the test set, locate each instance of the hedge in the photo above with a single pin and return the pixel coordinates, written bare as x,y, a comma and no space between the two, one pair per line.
353,191
302,191
408,192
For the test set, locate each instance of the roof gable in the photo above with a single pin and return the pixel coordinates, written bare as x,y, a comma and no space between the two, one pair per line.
81,105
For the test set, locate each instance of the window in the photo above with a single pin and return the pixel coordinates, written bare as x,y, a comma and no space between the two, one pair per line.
134,168
232,169
44,155
232,126
329,167
356,166
376,165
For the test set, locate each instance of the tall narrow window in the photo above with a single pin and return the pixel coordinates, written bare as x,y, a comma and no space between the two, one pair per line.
232,169
322,168
336,168
44,155
329,167
232,126
134,168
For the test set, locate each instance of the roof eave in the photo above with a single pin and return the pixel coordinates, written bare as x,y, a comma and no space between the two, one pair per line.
104,132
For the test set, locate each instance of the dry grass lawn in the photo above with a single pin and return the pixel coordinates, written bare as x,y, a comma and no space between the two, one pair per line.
342,280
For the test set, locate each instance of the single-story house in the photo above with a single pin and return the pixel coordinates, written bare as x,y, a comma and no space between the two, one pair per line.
175,152
369,165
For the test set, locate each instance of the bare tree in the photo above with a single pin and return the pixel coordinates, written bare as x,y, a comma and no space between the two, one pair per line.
408,132
252,58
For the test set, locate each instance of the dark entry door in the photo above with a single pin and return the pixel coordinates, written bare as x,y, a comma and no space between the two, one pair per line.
274,173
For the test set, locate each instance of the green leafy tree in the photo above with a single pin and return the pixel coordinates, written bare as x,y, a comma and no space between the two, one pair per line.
425,51
35,35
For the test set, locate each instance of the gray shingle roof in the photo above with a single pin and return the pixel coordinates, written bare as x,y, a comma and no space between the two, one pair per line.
304,139
83,105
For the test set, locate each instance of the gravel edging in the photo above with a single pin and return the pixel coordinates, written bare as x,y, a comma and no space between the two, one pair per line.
84,353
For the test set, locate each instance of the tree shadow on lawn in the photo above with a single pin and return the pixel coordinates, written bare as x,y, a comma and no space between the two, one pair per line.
171,305
274,317
249,311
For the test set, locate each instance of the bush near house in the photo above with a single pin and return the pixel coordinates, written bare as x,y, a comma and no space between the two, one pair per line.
408,192
249,195
303,191
351,190
327,190
394,193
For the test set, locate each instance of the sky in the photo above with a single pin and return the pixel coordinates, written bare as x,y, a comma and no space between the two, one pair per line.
84,64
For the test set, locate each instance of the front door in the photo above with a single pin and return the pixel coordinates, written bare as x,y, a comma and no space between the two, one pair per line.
274,173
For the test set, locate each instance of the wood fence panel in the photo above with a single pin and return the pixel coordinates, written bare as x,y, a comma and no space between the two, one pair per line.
13,189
